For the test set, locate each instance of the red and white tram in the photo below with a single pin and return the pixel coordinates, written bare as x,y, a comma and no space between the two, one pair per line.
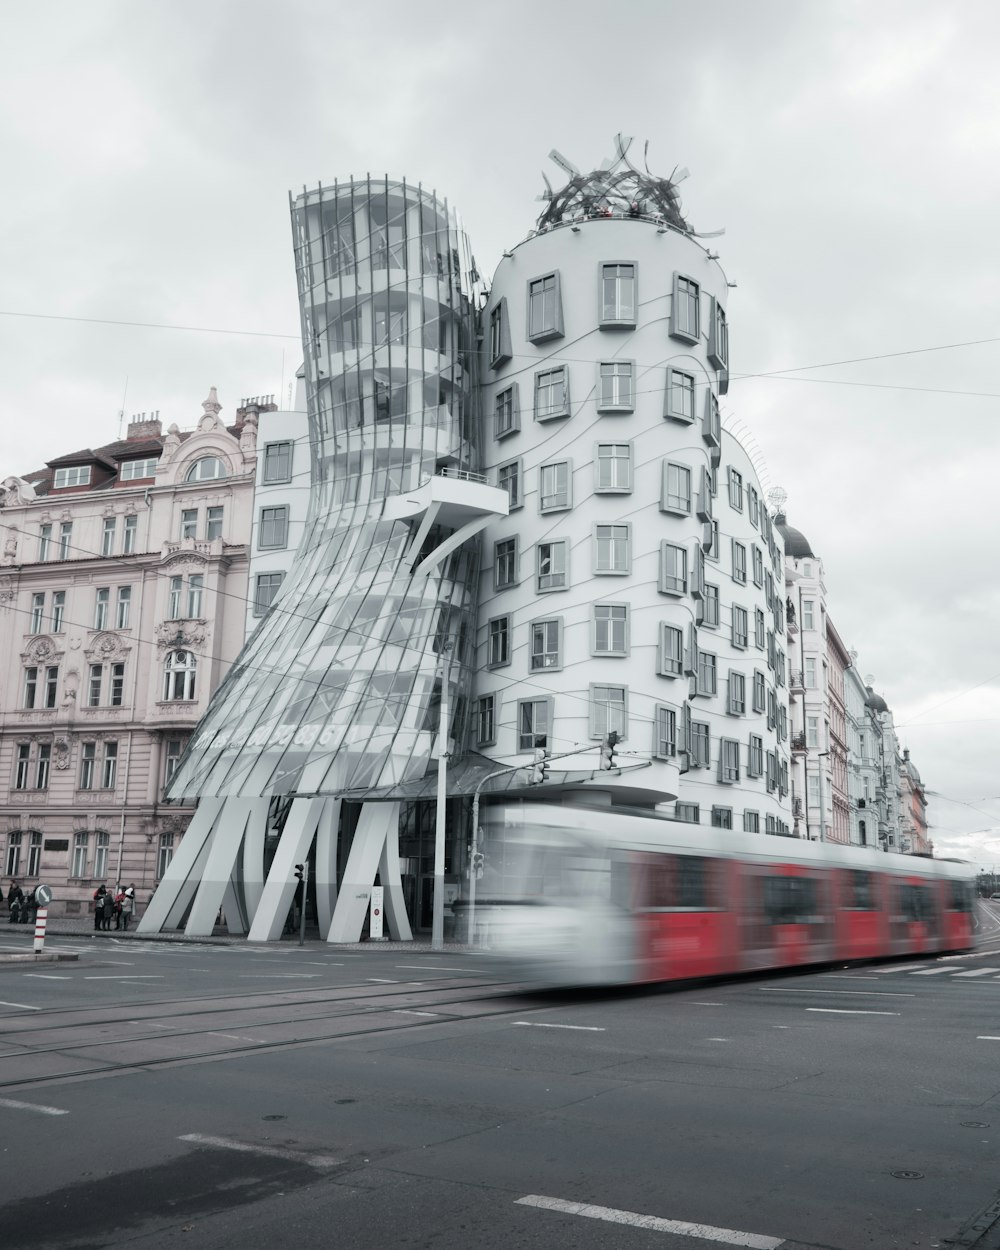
579,896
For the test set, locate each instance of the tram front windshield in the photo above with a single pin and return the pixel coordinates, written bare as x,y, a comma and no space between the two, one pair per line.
546,867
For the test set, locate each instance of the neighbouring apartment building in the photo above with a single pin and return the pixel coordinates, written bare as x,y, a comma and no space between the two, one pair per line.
123,590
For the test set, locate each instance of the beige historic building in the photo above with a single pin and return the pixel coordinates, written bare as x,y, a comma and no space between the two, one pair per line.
123,588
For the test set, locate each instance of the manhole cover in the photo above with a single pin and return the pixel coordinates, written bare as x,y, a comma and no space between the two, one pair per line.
974,1124
274,1117
907,1176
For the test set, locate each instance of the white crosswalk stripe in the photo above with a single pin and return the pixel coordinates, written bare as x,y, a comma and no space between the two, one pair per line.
930,972
977,972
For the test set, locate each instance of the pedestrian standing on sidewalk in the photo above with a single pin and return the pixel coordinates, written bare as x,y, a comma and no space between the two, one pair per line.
99,894
128,905
15,898
109,910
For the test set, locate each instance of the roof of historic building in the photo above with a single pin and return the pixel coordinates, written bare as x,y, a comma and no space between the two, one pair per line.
796,544
875,701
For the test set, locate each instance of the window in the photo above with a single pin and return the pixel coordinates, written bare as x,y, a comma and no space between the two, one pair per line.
498,652
812,731
722,818
179,676
278,461
618,295
196,583
772,710
101,855
117,685
751,822
34,854
664,732
123,607
753,505
807,569
758,566
94,685
671,651
131,470
58,610
690,813
273,528
810,672
108,536
21,766
509,479
771,771
552,572
741,627
110,769
51,686
486,720
44,542
676,488
189,523
612,553
128,537
808,609
735,489
74,475
613,467
65,539
707,673
684,310
551,394
506,414
102,600
608,711
699,747
265,590
533,720
14,855
759,691
175,749
544,308
207,469
759,628
42,766
174,605
165,853
500,349
718,337
80,849
712,550
739,563
505,563
616,391
680,396
545,648
710,605
737,687
554,481
213,522
673,569
755,756
610,629
37,613
712,428
30,686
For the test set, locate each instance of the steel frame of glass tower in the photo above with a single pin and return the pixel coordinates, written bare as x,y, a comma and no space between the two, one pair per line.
338,690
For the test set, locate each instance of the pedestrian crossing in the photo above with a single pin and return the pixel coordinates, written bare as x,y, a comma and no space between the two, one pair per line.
938,970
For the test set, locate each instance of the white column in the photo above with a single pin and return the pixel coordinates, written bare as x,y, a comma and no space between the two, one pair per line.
177,885
376,822
279,888
326,864
216,878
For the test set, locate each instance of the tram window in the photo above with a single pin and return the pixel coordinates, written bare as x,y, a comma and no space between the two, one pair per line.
862,893
692,881
681,881
790,900
960,896
915,903
660,882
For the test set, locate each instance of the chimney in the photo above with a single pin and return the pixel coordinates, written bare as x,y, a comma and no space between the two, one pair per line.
144,425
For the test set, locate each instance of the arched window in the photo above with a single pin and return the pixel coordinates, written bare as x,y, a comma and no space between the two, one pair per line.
179,676
206,470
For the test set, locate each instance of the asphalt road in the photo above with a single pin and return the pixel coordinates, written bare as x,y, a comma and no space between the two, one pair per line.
156,1095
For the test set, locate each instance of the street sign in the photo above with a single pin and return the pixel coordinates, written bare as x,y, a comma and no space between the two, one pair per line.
375,924
43,895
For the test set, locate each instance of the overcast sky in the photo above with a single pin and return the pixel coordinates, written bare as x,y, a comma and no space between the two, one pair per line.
850,151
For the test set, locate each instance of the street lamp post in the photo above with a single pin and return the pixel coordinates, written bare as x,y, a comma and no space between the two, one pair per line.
437,923
822,810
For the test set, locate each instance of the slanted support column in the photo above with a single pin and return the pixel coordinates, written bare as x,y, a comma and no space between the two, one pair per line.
253,856
393,901
326,864
279,888
181,878
377,823
216,877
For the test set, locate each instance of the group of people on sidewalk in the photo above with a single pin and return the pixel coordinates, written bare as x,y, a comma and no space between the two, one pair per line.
22,907
118,905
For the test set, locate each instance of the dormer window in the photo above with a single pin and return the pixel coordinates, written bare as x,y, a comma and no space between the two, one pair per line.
72,475
130,470
207,469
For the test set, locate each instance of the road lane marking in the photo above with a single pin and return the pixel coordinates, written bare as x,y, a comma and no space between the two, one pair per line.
986,1037
977,972
389,981
718,1039
232,1037
680,1228
581,1028
437,968
933,972
47,976
843,1011
779,989
402,1011
31,1106
274,1152
898,968
22,1006
128,976
271,976
696,1004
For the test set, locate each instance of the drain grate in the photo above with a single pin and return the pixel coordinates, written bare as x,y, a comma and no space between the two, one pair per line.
974,1124
274,1117
904,1175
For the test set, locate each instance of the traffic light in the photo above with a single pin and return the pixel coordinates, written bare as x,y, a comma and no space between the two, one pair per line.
299,871
540,768
478,861
608,751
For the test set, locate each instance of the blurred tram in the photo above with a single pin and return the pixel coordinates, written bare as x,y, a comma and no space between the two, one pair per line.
595,896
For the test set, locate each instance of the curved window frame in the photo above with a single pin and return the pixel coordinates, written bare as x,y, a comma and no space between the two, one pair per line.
180,677
195,474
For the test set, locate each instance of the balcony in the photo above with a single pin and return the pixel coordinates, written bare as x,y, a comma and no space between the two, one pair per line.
798,744
796,681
